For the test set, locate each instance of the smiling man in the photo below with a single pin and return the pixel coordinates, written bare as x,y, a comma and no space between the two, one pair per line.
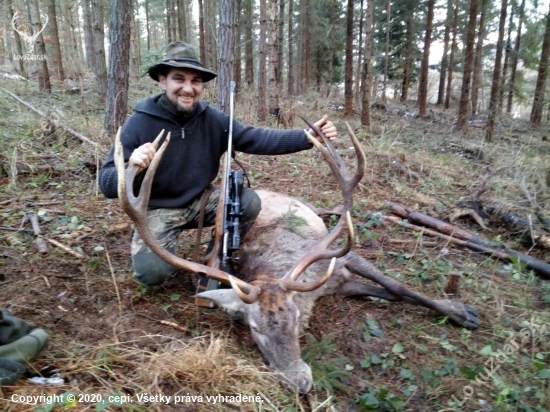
191,162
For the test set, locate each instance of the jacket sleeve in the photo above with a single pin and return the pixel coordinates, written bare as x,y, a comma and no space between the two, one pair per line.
262,141
130,137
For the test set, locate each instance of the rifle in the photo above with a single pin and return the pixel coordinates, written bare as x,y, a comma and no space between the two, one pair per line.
226,230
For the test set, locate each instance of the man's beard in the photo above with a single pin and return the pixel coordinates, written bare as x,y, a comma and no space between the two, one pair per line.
181,110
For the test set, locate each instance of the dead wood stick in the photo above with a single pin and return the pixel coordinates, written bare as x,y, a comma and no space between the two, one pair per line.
18,199
538,211
52,121
439,225
14,229
540,267
40,243
164,322
519,223
66,248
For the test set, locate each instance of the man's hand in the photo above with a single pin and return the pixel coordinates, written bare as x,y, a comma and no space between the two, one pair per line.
327,127
142,156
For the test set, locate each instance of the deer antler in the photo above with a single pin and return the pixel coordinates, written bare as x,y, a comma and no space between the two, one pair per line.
136,208
347,185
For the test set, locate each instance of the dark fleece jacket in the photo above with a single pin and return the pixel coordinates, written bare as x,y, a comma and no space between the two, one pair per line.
192,159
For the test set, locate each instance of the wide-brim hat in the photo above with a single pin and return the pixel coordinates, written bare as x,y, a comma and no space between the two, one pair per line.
182,55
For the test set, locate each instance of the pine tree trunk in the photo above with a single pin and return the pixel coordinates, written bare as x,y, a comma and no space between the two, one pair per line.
538,101
273,86
19,65
359,57
99,49
249,59
478,60
462,122
408,52
333,28
262,111
88,36
387,52
306,35
424,71
202,34
134,41
493,102
290,48
148,24
226,53
280,40
445,58
507,53
57,61
367,69
515,55
238,44
167,9
37,23
348,79
119,61
451,59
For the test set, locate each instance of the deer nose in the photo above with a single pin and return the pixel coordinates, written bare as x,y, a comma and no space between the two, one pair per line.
298,377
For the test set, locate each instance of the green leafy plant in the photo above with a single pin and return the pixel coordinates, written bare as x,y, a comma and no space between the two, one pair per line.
328,372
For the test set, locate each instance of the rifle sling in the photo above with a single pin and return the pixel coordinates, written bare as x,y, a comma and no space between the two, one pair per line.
204,201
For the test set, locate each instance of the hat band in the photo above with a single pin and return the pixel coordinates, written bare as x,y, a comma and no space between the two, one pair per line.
185,60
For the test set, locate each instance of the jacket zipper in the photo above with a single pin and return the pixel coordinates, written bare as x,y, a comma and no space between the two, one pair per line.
182,133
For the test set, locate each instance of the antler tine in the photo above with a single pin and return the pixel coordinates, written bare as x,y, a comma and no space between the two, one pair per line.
136,208
295,286
322,251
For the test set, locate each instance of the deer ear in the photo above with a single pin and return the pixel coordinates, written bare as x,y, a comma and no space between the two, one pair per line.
225,298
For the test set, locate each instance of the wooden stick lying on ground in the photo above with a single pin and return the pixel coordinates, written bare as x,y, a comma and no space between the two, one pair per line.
52,121
40,243
66,248
540,267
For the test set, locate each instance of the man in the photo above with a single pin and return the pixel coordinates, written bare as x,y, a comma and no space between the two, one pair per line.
191,162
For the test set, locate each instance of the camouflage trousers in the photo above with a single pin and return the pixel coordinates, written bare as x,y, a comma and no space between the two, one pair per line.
167,225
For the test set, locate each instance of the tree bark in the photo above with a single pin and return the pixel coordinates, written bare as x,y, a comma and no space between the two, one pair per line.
57,60
88,36
451,59
515,55
508,51
387,50
290,48
478,60
147,24
226,53
445,58
37,24
280,40
538,102
348,80
202,34
249,52
359,57
262,111
408,51
273,87
367,68
19,65
119,61
238,44
306,37
493,102
424,71
99,49
462,122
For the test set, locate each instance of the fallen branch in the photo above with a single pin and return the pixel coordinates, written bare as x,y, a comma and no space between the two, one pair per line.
17,199
540,267
66,248
439,225
164,322
40,243
52,121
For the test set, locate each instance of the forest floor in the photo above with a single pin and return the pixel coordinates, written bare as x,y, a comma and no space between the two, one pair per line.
112,341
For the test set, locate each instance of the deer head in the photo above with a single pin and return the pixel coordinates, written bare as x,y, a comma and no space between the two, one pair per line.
29,39
269,301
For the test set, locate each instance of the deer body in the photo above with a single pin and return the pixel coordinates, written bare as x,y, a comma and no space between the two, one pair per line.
283,263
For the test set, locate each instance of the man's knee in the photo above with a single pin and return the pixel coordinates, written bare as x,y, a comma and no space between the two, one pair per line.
251,204
150,270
